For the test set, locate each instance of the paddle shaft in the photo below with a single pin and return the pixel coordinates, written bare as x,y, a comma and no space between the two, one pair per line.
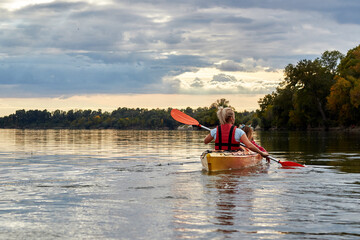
204,127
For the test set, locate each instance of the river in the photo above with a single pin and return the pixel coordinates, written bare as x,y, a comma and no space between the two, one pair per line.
113,184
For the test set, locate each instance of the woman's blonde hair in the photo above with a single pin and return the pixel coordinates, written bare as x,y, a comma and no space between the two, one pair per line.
224,115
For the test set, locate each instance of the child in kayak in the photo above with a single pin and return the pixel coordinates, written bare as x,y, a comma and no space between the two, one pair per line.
227,136
250,134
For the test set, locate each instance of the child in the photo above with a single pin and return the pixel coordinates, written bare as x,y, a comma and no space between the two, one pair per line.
249,133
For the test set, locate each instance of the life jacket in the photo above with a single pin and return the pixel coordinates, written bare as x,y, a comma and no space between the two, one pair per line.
225,138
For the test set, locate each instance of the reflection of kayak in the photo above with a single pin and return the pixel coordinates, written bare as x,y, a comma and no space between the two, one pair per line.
223,160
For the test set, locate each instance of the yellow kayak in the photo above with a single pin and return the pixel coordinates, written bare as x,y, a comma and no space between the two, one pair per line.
224,160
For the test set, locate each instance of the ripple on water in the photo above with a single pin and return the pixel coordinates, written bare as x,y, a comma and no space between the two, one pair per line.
108,185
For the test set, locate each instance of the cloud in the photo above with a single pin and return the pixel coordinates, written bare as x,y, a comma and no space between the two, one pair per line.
213,81
197,83
45,8
87,47
230,66
246,65
222,78
57,75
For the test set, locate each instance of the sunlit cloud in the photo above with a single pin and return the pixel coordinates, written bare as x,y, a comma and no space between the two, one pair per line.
111,47
13,5
18,4
215,81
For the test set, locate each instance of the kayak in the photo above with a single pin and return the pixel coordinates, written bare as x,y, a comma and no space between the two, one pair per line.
225,160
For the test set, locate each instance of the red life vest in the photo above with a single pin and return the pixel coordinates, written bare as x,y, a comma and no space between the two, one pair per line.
225,138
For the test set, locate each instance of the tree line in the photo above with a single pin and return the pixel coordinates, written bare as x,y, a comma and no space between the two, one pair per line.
319,93
121,118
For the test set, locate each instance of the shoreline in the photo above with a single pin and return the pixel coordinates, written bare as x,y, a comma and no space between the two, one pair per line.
331,129
355,129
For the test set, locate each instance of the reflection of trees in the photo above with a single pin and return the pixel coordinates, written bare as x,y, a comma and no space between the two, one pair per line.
217,207
230,187
225,212
347,165
314,147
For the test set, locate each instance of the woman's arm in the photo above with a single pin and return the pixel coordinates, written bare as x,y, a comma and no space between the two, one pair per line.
208,138
251,146
258,146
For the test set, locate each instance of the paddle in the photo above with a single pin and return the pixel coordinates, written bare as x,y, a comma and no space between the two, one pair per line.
186,119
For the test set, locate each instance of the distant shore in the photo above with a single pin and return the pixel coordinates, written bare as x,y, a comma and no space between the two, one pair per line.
331,129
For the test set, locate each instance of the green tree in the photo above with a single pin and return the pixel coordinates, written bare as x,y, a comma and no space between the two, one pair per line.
220,103
312,82
266,110
344,98
300,99
330,60
282,106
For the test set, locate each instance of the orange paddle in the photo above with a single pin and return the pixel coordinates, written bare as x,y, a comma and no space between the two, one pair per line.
186,119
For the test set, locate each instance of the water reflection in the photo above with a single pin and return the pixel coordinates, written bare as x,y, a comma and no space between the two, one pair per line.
235,198
339,149
109,184
222,204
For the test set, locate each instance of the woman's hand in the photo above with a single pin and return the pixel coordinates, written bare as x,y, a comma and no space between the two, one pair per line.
264,154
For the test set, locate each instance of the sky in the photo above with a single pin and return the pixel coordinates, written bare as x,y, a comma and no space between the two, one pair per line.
105,54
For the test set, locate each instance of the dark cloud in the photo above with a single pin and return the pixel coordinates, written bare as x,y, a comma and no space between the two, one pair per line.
48,8
350,17
55,75
197,83
230,66
223,78
342,11
76,47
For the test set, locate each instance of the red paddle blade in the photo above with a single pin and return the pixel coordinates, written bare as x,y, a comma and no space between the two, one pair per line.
183,118
290,164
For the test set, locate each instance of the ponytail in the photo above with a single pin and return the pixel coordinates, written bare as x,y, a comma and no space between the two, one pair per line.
224,115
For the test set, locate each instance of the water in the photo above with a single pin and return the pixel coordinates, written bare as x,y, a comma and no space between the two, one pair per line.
108,184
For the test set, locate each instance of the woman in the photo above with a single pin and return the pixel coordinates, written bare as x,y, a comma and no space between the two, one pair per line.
227,136
249,133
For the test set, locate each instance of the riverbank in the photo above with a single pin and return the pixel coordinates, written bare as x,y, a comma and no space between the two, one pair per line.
331,129
346,129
